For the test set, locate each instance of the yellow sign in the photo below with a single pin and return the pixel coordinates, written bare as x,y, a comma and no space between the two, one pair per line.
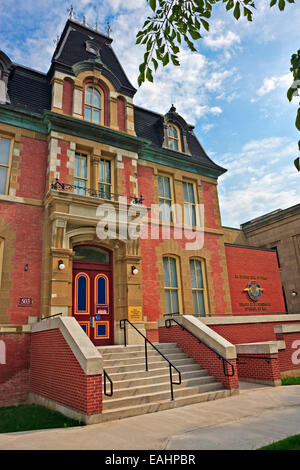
135,314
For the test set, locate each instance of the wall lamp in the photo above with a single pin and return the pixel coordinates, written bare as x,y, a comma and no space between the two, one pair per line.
294,293
61,265
134,270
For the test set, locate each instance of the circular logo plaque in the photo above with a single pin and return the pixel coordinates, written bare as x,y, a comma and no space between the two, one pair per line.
254,290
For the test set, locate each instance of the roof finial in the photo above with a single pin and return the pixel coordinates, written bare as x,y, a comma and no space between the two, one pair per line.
172,109
108,29
56,41
71,12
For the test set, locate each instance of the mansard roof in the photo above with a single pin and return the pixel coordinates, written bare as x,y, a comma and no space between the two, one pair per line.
149,125
31,91
72,54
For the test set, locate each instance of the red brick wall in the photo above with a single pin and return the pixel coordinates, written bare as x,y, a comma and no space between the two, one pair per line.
56,374
152,335
247,332
211,208
289,358
26,222
260,369
67,101
14,375
33,168
201,354
244,265
121,110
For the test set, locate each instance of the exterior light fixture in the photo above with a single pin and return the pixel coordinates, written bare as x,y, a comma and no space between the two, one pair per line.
294,293
61,265
26,267
134,270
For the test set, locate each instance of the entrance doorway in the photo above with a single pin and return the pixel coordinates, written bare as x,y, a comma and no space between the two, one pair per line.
93,293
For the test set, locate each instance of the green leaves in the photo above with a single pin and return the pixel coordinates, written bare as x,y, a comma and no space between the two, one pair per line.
295,68
237,11
174,23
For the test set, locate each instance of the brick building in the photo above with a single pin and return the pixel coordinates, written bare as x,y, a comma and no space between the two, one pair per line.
72,140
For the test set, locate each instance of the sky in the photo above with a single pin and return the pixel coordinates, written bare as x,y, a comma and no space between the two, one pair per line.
233,89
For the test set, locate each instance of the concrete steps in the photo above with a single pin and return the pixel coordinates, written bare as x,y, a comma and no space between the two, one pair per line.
139,392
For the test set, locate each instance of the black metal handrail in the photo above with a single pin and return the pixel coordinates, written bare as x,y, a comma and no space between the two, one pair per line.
107,377
123,327
51,316
100,194
249,356
168,325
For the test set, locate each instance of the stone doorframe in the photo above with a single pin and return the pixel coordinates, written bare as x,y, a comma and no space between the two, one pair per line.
127,286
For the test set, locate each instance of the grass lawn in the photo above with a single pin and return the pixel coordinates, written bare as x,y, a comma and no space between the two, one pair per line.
290,443
290,381
31,417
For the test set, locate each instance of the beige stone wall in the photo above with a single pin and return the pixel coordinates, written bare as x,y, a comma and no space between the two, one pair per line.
234,236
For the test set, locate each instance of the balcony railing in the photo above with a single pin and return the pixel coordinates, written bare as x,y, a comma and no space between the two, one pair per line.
101,194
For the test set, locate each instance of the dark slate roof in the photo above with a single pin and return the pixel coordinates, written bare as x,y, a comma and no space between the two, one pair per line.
149,125
71,49
29,90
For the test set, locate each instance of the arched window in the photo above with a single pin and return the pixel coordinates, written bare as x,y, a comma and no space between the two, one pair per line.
198,287
93,106
171,285
174,138
82,293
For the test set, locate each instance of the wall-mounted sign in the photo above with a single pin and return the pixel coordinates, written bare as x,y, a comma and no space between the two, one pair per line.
102,309
25,302
135,314
254,290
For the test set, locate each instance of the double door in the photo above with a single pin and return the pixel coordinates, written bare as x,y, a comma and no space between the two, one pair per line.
93,301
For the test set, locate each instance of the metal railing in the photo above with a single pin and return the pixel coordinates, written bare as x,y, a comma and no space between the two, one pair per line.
168,325
107,377
51,316
249,356
99,194
123,327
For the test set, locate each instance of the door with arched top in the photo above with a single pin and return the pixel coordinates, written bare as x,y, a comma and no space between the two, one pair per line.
93,293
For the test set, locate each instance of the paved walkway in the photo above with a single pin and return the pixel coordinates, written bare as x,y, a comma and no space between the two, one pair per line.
257,416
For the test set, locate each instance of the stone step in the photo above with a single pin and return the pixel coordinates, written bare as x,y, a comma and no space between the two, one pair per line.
162,371
150,388
150,379
126,412
159,396
155,364
141,359
134,354
132,347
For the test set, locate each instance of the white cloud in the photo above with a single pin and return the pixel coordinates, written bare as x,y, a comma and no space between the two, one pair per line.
270,84
256,181
221,40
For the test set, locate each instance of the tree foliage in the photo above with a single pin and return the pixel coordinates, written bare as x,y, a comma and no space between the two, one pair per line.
294,91
175,22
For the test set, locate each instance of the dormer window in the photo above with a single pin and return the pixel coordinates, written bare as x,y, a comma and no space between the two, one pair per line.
93,105
174,138
92,48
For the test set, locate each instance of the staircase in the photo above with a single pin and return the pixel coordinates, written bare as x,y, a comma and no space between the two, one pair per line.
137,392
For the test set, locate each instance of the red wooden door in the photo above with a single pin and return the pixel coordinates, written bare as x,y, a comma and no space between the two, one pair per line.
93,301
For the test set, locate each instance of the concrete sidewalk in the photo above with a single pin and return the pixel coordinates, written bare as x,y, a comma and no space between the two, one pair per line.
257,416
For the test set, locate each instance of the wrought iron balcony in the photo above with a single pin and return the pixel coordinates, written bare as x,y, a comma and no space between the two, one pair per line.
103,193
